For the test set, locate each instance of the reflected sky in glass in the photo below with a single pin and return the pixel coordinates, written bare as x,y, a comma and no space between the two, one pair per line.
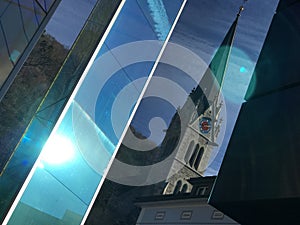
67,180
202,27
66,32
77,153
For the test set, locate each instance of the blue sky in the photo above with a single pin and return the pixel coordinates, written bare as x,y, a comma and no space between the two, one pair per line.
202,28
67,20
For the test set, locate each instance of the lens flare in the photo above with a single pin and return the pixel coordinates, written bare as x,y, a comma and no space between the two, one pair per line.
57,150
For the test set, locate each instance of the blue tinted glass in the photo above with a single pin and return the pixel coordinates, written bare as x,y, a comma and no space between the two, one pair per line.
74,19
77,153
18,25
46,4
29,19
5,63
3,5
17,39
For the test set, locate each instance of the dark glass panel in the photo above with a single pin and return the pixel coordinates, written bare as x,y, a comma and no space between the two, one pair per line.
47,4
3,5
101,13
38,12
279,55
67,31
5,63
29,18
13,27
260,172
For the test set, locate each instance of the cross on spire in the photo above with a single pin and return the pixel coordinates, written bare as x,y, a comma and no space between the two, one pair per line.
242,8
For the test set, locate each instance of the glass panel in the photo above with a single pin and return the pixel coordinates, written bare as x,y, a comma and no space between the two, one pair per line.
5,64
18,20
3,5
38,11
87,135
16,38
62,170
145,131
29,18
25,95
100,15
47,4
174,110
77,153
66,32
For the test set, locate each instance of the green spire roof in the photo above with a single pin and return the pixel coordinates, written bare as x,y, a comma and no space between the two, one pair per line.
218,65
219,62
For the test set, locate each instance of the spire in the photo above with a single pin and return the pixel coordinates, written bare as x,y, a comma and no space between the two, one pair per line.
212,81
218,64
241,9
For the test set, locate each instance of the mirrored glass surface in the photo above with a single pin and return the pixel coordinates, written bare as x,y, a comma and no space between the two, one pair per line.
178,133
19,21
68,11
5,63
25,102
165,142
76,155
45,4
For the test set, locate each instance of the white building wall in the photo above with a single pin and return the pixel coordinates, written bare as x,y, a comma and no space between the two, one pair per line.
184,213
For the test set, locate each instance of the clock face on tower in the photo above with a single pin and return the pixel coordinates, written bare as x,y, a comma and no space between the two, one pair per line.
205,125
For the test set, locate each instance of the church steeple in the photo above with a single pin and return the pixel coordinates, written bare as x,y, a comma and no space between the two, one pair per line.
212,80
218,64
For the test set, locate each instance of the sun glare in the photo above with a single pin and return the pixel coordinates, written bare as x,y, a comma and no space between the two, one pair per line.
57,150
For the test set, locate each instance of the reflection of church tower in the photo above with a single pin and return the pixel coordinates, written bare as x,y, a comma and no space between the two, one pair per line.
202,121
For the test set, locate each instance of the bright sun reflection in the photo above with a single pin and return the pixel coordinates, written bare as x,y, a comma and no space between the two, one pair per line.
57,150
243,70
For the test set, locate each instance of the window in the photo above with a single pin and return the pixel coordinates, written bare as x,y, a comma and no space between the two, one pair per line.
217,215
160,215
200,191
189,151
177,187
199,157
186,215
184,188
194,155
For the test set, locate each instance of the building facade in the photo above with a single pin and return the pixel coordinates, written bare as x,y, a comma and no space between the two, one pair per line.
260,170
184,208
99,107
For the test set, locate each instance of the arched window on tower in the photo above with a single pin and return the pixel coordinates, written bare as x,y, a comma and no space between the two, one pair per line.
177,188
189,151
194,155
199,157
184,188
